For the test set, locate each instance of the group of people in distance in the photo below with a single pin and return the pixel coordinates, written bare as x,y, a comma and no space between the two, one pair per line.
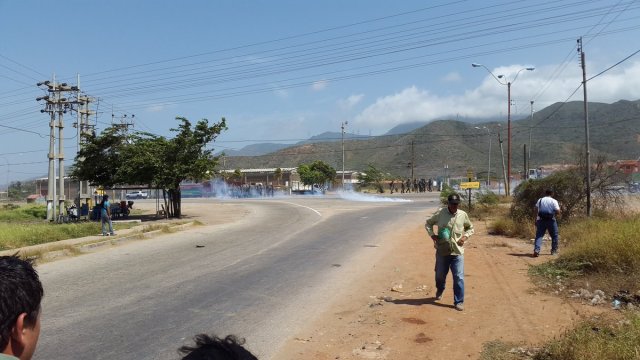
21,291
21,296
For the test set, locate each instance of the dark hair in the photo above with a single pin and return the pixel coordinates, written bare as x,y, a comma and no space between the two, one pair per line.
548,192
20,292
214,348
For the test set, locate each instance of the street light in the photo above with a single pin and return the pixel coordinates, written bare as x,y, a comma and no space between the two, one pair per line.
508,84
342,127
489,167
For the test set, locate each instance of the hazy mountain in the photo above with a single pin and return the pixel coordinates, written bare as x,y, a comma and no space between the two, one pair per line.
256,149
557,136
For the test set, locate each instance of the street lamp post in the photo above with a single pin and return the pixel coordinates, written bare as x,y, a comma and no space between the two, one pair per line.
529,150
489,167
508,84
342,127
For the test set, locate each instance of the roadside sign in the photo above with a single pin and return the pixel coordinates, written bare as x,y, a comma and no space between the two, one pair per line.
470,185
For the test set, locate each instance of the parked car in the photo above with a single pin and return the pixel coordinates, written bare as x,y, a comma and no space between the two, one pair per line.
137,195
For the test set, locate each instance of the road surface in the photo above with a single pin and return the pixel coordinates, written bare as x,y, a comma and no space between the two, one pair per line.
261,277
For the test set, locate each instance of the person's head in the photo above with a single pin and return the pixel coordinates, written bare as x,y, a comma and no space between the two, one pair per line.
548,192
214,348
105,198
452,201
20,297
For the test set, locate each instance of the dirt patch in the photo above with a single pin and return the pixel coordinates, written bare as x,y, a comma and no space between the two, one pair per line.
391,312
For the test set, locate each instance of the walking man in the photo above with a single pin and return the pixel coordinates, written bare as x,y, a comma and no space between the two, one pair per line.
454,230
546,210
105,216
20,297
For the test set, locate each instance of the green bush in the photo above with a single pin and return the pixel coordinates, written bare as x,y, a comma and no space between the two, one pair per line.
605,339
603,245
487,198
23,213
568,190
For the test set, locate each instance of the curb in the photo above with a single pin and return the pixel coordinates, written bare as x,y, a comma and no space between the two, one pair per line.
53,250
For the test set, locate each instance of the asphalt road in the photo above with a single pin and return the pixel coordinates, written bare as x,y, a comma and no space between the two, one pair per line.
261,277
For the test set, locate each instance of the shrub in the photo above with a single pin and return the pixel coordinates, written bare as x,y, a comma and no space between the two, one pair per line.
570,191
603,245
605,339
487,198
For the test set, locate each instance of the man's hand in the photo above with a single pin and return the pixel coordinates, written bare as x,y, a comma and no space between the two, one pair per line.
435,241
462,240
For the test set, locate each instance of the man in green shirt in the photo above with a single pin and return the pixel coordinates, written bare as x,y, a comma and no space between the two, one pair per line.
454,230
20,297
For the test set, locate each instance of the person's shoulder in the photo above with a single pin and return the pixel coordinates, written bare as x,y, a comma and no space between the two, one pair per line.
7,357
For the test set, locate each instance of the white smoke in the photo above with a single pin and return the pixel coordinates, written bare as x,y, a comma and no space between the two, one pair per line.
355,196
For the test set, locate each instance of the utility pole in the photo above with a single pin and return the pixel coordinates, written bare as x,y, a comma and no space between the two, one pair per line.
525,174
124,122
342,127
586,124
413,162
504,174
507,185
58,105
83,129
530,128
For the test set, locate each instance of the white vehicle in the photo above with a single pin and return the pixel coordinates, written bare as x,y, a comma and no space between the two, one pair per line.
137,195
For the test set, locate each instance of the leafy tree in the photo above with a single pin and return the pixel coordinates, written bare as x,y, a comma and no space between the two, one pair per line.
372,177
316,173
142,158
18,190
278,175
570,190
99,159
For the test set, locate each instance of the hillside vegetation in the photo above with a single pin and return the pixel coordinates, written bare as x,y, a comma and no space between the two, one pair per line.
557,134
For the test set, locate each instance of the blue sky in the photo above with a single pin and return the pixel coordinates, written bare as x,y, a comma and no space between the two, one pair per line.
282,71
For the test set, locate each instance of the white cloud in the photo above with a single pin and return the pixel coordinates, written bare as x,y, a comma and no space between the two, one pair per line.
489,98
156,108
320,85
411,104
281,93
350,102
452,77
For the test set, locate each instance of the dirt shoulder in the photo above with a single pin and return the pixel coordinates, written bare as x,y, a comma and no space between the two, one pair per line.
391,313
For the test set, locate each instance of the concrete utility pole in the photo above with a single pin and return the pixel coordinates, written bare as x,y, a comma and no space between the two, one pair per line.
58,105
83,129
342,127
586,124
504,173
413,162
530,128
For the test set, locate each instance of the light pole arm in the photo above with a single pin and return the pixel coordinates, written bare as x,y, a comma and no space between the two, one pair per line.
489,71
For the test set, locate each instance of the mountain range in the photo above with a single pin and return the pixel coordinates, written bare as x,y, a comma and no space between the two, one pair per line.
555,135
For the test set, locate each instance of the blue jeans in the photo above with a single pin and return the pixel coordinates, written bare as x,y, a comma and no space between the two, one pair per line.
106,220
456,264
542,226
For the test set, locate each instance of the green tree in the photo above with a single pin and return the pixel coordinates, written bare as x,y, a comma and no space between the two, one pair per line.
146,159
570,190
372,176
18,190
317,173
278,175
